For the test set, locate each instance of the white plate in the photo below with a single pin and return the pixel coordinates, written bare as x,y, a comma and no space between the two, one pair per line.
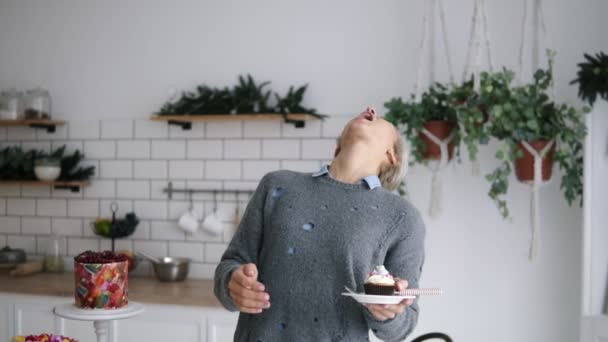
376,299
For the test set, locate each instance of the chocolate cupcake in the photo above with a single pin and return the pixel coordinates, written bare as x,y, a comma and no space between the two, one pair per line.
379,282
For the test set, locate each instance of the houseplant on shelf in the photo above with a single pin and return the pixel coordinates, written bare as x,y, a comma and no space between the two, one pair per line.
433,112
526,115
592,78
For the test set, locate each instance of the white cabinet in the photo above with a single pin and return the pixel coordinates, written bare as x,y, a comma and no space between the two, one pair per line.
23,314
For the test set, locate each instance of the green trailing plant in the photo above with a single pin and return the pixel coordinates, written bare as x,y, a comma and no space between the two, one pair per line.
472,107
435,104
527,113
592,78
17,164
247,97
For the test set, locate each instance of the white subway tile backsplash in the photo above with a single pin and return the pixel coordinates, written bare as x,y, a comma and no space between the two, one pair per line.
35,225
203,236
51,207
10,224
21,133
166,230
66,227
157,187
35,191
186,169
116,168
332,126
262,129
2,206
117,129
222,169
281,149
255,170
71,146
100,189
83,208
178,208
133,149
205,149
27,243
242,149
88,129
202,271
119,245
318,148
61,132
301,165
79,245
204,185
214,251
168,149
197,131
150,169
311,130
37,146
152,210
224,129
153,248
124,207
19,206
151,129
192,250
100,149
142,231
133,189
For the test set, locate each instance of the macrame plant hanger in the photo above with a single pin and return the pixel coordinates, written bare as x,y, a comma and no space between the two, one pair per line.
428,43
538,28
479,39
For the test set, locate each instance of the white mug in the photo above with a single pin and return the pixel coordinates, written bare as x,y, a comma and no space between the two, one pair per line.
189,221
212,224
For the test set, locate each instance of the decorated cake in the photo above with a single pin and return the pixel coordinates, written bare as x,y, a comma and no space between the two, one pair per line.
42,338
101,280
379,282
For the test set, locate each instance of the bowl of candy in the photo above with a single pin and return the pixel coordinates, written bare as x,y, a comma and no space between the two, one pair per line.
42,338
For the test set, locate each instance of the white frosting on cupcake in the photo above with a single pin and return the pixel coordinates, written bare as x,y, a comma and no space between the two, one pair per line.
380,276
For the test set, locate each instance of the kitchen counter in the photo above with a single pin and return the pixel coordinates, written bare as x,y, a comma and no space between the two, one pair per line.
191,292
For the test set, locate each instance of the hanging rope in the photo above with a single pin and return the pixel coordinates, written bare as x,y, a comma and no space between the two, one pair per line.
538,28
435,206
534,198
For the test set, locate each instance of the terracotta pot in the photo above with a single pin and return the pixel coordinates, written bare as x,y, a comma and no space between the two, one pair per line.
524,166
441,129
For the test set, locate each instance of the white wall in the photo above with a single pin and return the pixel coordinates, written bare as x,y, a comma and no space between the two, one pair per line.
120,60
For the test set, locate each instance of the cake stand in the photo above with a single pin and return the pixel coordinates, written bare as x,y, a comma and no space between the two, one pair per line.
100,318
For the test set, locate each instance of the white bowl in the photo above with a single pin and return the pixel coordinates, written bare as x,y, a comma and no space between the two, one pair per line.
47,173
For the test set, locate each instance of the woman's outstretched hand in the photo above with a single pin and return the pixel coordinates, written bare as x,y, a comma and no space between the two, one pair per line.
246,291
383,312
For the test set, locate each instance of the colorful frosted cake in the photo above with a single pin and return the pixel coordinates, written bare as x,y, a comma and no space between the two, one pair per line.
379,282
42,338
101,280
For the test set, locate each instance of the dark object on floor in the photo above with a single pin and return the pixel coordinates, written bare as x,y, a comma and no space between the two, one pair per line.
433,335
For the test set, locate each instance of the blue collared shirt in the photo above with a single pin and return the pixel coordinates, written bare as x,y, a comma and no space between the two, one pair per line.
372,181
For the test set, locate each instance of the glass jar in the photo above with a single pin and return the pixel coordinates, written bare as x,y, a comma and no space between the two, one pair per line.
11,105
37,104
53,259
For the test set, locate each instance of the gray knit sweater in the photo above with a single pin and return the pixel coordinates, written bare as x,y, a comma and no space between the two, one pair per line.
309,237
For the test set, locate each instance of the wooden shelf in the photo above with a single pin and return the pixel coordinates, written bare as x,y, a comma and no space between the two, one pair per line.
73,186
185,121
49,125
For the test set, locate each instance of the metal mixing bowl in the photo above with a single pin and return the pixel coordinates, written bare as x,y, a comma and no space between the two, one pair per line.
171,269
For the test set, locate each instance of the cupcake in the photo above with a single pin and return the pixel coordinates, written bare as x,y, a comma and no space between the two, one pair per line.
379,282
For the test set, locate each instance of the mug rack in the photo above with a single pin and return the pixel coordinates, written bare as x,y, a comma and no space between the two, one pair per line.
170,190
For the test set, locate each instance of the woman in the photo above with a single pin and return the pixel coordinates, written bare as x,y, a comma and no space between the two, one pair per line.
304,237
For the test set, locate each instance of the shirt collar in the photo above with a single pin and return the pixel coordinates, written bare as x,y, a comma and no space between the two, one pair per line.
372,181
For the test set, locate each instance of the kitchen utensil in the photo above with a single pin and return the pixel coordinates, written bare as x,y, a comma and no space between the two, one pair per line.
171,269
189,221
12,256
212,223
148,257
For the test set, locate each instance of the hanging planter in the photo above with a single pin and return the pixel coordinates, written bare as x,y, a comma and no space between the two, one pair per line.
441,129
524,166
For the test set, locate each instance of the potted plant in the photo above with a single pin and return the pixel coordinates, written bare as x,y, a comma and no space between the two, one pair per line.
592,78
433,112
527,114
